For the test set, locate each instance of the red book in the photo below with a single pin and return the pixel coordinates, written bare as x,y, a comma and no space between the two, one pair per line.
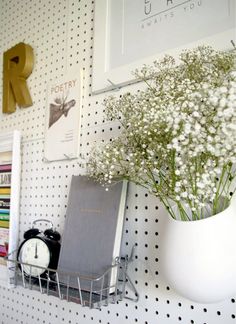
5,167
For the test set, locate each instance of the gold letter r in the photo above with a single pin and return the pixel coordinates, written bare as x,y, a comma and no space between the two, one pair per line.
17,66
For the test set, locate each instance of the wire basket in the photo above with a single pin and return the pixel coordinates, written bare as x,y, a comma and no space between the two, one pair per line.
99,290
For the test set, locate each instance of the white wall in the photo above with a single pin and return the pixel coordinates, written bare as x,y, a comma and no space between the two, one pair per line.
61,34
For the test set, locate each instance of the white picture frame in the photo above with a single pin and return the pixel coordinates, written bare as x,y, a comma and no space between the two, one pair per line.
210,22
62,122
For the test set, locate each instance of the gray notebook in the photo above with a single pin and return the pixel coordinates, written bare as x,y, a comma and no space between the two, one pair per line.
93,230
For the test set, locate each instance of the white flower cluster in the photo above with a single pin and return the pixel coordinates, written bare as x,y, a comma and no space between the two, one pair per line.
178,136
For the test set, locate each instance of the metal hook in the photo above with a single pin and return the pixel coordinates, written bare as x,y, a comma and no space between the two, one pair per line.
65,155
233,44
46,160
69,158
115,86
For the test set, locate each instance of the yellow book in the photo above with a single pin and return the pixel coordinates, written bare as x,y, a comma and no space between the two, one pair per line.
5,191
4,223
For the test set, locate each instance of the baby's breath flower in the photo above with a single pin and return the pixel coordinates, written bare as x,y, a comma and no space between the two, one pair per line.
178,135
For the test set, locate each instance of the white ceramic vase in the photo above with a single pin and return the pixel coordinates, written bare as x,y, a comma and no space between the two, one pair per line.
198,258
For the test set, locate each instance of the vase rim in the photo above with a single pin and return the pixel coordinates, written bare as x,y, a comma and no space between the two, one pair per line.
217,215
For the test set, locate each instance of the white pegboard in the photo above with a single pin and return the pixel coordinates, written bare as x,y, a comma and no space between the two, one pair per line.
61,33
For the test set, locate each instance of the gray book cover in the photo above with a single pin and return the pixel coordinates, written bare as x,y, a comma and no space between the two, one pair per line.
93,230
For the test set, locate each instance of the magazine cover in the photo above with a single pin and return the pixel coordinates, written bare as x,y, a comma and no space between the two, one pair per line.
63,118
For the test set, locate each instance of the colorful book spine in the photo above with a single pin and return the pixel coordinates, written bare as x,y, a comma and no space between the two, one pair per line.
3,251
5,168
4,203
4,238
4,214
4,223
5,191
5,179
4,197
4,217
4,211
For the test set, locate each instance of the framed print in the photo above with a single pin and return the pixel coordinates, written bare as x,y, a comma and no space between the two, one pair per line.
130,33
63,118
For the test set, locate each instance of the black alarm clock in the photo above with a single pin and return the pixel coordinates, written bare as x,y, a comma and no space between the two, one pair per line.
39,251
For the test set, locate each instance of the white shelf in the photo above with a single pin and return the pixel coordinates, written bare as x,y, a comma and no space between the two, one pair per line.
10,142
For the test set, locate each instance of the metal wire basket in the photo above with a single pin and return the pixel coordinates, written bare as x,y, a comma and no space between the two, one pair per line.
100,290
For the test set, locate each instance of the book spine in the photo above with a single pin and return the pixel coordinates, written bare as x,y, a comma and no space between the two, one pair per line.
4,223
5,191
4,202
4,197
4,237
4,217
5,168
5,211
5,179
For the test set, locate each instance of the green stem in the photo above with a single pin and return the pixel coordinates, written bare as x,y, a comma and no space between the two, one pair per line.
215,201
168,207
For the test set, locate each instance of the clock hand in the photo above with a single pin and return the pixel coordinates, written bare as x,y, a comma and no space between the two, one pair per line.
36,251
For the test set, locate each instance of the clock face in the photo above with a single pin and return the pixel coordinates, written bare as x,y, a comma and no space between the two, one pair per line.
36,252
